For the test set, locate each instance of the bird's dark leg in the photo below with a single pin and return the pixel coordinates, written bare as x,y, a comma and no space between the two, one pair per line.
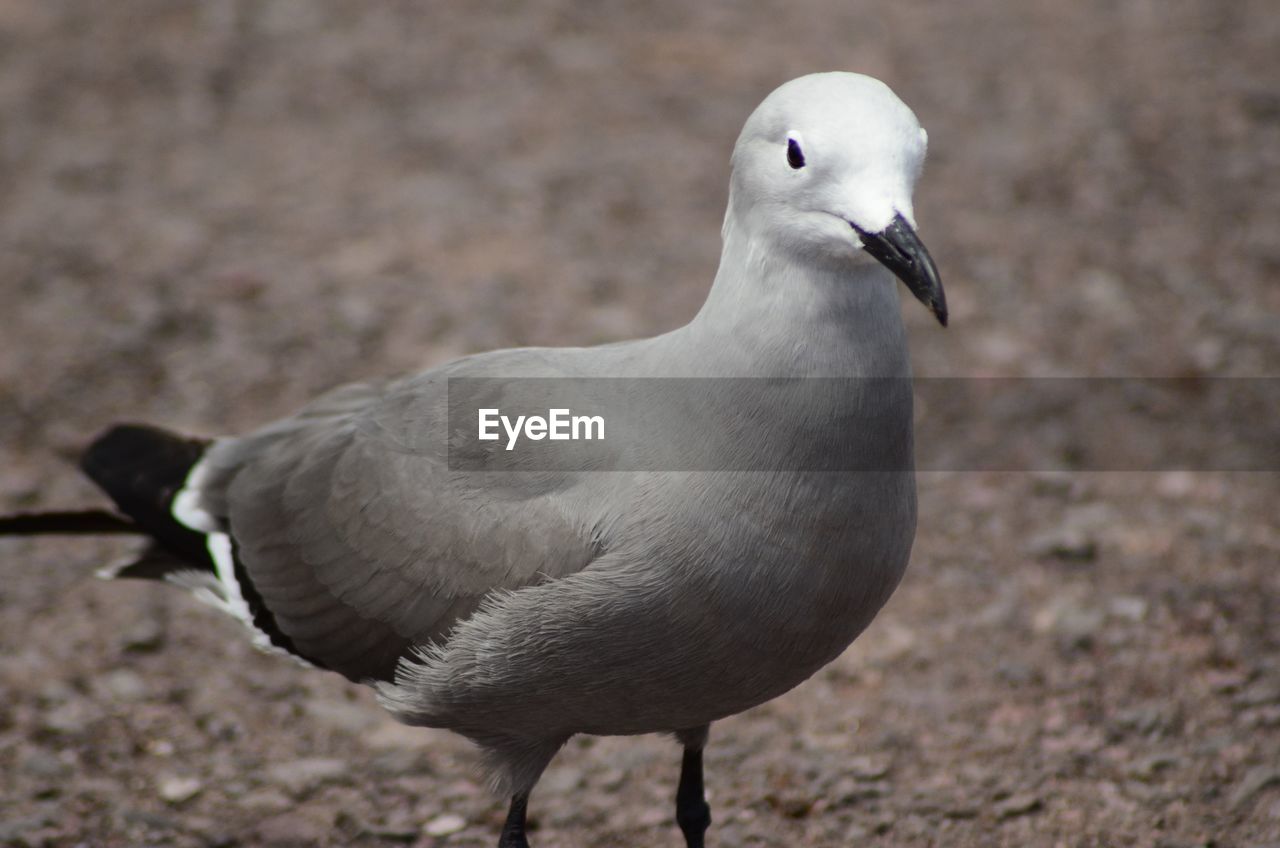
513,831
693,814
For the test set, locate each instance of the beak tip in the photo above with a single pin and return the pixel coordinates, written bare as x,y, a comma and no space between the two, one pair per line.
901,251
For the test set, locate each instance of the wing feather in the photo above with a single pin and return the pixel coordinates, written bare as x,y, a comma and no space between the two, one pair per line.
363,543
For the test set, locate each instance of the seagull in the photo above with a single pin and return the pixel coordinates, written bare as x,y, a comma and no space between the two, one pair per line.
520,609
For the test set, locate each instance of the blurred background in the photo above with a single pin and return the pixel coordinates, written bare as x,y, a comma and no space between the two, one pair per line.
210,211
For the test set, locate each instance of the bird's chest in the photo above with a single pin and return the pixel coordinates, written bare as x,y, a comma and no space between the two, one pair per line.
787,589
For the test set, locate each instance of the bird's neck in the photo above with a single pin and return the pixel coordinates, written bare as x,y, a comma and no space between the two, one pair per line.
772,312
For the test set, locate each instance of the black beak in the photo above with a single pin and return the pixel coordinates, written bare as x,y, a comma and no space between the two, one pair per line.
900,250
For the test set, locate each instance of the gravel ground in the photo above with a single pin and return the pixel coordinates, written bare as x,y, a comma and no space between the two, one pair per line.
211,211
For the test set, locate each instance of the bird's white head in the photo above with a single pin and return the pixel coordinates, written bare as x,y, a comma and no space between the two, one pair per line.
825,169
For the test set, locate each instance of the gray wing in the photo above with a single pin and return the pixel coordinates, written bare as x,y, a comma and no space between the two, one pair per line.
357,539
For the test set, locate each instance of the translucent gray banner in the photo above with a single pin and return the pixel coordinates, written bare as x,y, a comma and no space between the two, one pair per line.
836,424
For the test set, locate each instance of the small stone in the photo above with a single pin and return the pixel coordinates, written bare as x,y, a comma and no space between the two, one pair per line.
868,767
391,735
1064,543
797,807
212,833
1148,768
19,831
458,791
393,833
99,789
1074,624
144,636
1017,805
612,780
445,825
854,833
71,718
1259,695
55,691
397,763
1144,719
152,820
561,780
175,790
1074,539
1208,354
1018,673
124,685
893,645
299,776
1176,485
1226,681
847,790
348,716
266,802
1261,717
292,829
1058,484
235,788
45,766
1128,607
1257,779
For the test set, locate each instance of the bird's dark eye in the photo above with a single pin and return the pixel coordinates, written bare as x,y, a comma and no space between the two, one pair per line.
795,156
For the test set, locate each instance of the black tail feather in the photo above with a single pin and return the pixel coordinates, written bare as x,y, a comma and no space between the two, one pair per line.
76,522
143,468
